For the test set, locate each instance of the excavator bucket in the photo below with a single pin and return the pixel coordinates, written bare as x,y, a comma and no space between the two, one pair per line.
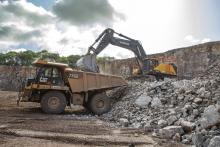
88,63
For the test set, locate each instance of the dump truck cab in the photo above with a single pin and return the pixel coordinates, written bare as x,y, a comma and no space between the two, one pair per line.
50,74
56,86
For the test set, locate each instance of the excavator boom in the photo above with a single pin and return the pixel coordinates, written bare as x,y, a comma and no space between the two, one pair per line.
88,62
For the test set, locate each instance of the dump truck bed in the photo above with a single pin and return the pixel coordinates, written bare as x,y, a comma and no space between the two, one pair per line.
87,81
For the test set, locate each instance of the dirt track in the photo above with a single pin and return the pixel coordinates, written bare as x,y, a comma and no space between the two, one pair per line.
26,125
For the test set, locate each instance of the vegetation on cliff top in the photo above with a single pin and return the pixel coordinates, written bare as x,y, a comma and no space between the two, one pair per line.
25,58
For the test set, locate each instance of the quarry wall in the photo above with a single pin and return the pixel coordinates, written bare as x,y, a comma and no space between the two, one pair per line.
11,76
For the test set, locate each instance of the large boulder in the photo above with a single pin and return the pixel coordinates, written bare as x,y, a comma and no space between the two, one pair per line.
171,119
124,122
156,102
197,100
198,139
169,131
209,118
187,126
214,142
143,100
162,123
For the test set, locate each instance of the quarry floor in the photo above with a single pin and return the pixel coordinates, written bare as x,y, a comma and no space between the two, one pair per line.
27,125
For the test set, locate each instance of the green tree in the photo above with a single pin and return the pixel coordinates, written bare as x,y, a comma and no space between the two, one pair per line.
63,60
104,59
45,55
2,59
72,59
11,58
27,57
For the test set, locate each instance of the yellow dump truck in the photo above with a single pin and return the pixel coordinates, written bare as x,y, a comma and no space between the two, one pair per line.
56,86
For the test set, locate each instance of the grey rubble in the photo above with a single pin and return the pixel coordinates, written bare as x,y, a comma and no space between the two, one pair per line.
189,105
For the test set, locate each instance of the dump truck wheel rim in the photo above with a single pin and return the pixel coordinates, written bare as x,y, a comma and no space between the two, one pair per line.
53,102
100,104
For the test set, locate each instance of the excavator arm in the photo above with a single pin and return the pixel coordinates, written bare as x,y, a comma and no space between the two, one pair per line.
107,37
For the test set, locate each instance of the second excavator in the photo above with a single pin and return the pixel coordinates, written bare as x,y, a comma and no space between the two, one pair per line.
147,66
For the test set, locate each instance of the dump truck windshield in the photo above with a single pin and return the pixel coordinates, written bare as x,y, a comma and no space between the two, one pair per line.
50,75
44,74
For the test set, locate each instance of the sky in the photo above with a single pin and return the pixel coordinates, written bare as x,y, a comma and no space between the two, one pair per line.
70,26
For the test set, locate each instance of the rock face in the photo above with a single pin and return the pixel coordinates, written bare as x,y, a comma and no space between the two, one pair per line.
12,76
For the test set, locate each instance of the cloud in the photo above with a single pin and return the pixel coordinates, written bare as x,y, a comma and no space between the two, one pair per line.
19,50
21,22
205,40
12,33
193,40
25,25
86,12
122,55
64,41
24,11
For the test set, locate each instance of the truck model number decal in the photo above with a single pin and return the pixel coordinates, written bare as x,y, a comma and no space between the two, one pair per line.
72,75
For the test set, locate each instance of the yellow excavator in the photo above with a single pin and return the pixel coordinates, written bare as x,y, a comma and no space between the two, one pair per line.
146,66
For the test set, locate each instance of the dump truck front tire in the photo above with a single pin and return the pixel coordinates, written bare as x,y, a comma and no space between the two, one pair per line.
53,102
100,104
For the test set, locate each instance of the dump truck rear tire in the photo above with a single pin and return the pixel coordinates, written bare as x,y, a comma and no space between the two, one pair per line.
53,102
100,104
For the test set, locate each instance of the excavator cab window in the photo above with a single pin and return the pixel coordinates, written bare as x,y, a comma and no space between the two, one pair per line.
150,64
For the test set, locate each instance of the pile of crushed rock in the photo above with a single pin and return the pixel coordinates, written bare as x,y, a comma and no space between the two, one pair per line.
181,110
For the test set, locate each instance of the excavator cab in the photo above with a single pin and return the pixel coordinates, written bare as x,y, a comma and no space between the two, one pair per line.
149,65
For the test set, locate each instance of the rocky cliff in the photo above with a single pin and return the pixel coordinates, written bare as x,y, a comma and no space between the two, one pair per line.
12,76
